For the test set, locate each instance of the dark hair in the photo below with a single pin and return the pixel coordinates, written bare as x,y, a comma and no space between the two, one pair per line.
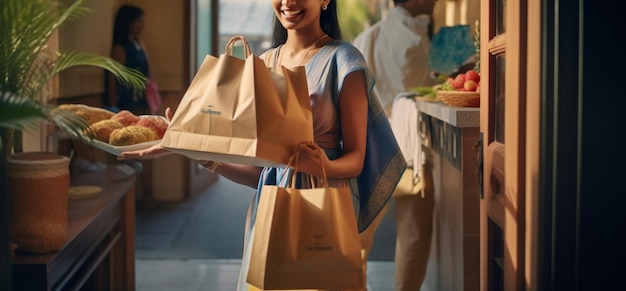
399,1
328,21
125,15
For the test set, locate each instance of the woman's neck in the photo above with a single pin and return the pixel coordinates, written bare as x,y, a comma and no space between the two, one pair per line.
302,50
302,40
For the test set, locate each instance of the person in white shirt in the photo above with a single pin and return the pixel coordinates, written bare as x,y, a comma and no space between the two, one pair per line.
396,50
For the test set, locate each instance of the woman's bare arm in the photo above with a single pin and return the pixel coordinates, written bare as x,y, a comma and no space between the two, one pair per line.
353,106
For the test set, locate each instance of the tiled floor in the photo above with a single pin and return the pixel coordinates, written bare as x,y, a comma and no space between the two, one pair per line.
197,244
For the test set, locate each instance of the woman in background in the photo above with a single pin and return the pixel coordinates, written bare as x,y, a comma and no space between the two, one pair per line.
129,50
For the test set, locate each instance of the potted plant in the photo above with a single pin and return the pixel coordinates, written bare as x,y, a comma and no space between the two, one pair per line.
27,64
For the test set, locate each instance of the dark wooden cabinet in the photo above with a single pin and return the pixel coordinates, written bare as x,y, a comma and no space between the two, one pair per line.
100,250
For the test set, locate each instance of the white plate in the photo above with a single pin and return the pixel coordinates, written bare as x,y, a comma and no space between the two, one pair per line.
118,150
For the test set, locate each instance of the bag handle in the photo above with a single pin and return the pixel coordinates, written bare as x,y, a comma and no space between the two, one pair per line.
231,45
294,161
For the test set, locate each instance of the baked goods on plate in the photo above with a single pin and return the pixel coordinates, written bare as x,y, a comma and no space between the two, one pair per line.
119,132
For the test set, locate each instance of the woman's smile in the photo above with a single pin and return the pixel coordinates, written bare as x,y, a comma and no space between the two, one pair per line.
291,14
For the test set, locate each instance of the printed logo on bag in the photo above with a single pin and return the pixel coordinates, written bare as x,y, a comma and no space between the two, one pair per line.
211,111
318,248
320,245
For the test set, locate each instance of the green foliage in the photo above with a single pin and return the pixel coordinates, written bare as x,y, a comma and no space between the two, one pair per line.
28,63
353,14
477,44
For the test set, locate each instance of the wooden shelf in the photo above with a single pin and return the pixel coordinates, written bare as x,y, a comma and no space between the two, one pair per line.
100,250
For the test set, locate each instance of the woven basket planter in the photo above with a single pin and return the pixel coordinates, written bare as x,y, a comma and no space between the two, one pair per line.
39,185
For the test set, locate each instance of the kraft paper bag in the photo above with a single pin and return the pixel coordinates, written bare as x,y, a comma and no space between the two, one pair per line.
305,239
409,185
241,111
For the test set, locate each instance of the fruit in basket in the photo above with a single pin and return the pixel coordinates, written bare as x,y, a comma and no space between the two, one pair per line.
470,85
458,81
472,75
467,82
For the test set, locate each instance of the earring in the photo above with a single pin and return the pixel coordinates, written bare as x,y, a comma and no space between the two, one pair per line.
324,7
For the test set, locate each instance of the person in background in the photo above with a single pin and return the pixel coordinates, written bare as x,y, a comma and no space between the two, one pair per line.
307,33
129,50
396,49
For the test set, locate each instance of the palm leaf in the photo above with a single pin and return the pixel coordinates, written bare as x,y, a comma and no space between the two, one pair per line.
28,64
19,113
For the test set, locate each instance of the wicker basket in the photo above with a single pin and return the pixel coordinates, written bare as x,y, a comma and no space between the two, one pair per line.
39,186
460,98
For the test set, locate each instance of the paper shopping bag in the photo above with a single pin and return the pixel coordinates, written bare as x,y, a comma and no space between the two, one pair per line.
305,239
240,111
410,184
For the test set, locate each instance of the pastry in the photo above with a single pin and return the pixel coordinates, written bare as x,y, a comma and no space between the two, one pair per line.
131,135
156,123
102,129
89,113
126,117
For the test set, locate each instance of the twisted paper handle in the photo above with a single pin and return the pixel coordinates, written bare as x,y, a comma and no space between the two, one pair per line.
294,161
231,45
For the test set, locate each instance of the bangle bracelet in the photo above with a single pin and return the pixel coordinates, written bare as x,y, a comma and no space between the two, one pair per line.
211,165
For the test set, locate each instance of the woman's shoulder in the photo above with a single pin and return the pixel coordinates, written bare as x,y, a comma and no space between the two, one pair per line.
343,47
346,53
269,56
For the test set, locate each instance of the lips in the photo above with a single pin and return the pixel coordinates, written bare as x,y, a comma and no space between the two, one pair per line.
289,14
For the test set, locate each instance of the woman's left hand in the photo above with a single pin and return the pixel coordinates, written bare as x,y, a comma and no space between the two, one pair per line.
311,159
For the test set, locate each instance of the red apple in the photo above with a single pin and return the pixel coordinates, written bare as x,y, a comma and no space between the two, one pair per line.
458,81
472,75
470,85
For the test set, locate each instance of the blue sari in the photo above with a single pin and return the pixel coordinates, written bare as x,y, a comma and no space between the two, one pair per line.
384,162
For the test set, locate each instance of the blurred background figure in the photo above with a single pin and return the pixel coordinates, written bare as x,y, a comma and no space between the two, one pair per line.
129,50
396,49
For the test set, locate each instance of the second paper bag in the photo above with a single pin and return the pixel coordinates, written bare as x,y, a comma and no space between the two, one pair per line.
240,111
305,239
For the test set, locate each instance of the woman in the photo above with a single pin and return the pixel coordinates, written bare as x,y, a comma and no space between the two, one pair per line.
129,50
306,33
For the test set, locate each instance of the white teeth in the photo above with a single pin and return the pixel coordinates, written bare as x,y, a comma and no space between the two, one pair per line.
291,12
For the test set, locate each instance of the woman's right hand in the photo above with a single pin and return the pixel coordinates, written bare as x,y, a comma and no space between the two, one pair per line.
153,152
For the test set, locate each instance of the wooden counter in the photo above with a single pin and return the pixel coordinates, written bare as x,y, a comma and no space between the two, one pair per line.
454,261
100,250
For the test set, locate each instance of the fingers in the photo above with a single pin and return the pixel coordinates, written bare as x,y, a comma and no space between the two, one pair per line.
168,113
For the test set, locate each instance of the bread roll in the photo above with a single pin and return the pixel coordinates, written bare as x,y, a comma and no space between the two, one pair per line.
102,129
89,113
126,117
131,135
156,123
